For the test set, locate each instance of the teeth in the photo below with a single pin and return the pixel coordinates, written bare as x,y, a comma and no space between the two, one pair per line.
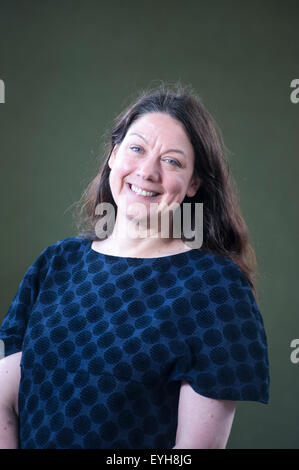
141,191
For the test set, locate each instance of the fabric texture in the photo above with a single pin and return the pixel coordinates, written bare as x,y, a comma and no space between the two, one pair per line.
107,340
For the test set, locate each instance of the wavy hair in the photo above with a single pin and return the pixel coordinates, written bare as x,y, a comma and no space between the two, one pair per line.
224,229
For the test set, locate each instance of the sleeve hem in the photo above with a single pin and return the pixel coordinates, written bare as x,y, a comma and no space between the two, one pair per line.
226,393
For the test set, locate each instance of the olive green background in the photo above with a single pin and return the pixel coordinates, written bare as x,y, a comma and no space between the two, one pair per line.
70,67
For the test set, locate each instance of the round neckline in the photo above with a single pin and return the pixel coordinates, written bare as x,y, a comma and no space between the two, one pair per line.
135,257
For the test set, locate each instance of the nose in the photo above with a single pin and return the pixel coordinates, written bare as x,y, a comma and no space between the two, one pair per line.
148,169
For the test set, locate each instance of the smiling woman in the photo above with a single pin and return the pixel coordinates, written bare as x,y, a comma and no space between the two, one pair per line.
141,342
189,128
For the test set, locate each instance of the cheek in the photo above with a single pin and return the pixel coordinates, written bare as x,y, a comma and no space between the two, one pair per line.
123,166
114,181
121,169
176,185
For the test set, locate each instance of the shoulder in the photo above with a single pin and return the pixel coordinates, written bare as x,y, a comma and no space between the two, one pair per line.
56,256
62,247
218,271
207,259
65,244
222,287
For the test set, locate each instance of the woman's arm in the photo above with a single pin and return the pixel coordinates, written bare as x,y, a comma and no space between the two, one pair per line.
203,423
9,390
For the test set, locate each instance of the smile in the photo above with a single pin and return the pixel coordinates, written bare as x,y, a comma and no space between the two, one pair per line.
142,192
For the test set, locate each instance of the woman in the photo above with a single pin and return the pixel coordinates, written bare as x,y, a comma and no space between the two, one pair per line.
141,341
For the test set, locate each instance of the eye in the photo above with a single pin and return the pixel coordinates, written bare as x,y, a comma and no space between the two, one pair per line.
173,162
136,148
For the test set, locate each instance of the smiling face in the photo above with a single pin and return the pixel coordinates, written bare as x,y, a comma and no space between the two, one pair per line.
153,164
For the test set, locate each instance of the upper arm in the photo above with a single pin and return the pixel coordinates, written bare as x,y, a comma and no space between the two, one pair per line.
9,381
9,387
203,422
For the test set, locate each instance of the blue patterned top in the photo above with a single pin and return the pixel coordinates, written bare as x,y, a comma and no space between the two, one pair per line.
107,340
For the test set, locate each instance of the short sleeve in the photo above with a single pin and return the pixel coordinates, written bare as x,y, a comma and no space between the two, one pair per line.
13,327
226,353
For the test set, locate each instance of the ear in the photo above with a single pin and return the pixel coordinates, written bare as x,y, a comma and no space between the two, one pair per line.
112,157
193,186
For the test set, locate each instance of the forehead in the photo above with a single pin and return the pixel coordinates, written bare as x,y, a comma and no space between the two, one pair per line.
162,126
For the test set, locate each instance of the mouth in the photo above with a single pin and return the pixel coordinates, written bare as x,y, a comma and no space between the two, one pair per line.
142,192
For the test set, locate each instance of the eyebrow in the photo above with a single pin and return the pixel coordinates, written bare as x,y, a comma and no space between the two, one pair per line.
169,150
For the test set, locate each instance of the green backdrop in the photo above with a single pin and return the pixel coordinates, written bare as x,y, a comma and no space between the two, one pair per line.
69,67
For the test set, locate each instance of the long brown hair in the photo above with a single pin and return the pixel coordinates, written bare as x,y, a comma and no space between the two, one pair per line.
224,229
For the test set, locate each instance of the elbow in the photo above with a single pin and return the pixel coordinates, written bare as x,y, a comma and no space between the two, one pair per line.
200,445
8,428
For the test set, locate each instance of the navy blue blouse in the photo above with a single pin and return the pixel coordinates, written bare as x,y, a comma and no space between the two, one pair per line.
107,340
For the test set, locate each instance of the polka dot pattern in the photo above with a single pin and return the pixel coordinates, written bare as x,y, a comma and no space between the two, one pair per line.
107,340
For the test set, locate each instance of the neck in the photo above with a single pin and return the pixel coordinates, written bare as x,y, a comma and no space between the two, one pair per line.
140,240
